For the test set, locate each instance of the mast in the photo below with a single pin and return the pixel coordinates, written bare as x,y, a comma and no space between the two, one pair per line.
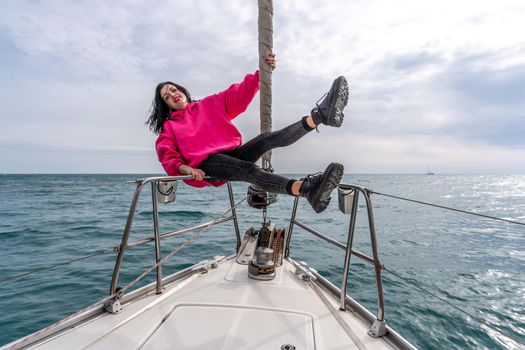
265,29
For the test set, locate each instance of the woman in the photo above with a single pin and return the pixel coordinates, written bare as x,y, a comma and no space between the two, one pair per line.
197,138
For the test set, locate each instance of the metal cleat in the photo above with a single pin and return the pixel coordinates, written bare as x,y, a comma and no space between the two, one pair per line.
205,265
378,329
113,306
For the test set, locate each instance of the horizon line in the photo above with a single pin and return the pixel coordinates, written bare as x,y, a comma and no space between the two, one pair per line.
293,173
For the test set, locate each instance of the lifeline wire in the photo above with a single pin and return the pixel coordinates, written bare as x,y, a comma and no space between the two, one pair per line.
449,208
184,244
57,187
31,337
114,249
480,320
49,267
435,295
26,340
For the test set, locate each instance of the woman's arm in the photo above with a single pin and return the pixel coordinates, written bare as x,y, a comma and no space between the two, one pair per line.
197,174
172,160
238,96
168,154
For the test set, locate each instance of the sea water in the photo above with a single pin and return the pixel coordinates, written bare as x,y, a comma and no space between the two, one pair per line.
475,264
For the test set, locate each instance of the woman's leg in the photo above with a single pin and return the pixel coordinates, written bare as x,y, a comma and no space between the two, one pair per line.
315,188
328,112
225,167
255,148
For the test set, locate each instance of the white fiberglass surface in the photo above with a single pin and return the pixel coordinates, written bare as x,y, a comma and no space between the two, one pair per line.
223,327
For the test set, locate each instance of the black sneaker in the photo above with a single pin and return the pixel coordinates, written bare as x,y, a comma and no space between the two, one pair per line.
330,110
317,188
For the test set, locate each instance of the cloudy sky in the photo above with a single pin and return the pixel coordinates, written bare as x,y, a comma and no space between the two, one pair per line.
437,84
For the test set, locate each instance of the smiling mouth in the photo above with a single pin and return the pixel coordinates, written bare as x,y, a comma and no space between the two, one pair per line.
176,99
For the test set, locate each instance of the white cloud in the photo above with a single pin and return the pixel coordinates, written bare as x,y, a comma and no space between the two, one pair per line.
83,74
326,36
92,37
397,154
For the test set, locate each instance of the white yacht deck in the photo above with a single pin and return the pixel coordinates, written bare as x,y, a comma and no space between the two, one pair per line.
239,313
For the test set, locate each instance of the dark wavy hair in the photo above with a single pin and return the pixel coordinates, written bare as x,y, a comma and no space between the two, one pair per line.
160,111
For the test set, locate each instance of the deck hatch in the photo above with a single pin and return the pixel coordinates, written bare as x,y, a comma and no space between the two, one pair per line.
231,327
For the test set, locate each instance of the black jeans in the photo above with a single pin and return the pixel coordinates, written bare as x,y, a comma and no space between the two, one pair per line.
239,163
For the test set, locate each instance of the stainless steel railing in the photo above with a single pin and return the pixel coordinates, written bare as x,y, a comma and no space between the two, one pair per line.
378,327
157,235
350,207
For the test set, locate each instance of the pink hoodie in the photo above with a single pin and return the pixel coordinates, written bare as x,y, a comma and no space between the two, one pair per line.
204,128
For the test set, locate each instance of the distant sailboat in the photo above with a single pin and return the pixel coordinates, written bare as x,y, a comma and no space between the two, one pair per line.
428,171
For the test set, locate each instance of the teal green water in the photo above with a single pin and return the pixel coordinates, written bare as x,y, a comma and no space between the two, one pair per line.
474,263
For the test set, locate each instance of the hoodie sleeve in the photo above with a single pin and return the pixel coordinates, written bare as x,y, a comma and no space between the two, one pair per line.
238,96
168,154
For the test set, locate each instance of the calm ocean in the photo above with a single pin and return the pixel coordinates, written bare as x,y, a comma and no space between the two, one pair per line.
475,263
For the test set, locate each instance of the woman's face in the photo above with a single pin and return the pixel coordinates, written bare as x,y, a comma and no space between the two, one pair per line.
173,97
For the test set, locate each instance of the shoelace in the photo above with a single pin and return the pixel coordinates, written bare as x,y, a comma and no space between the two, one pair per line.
311,177
307,178
319,109
317,103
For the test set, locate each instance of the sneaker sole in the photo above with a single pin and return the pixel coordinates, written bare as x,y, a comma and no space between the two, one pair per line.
331,178
336,116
